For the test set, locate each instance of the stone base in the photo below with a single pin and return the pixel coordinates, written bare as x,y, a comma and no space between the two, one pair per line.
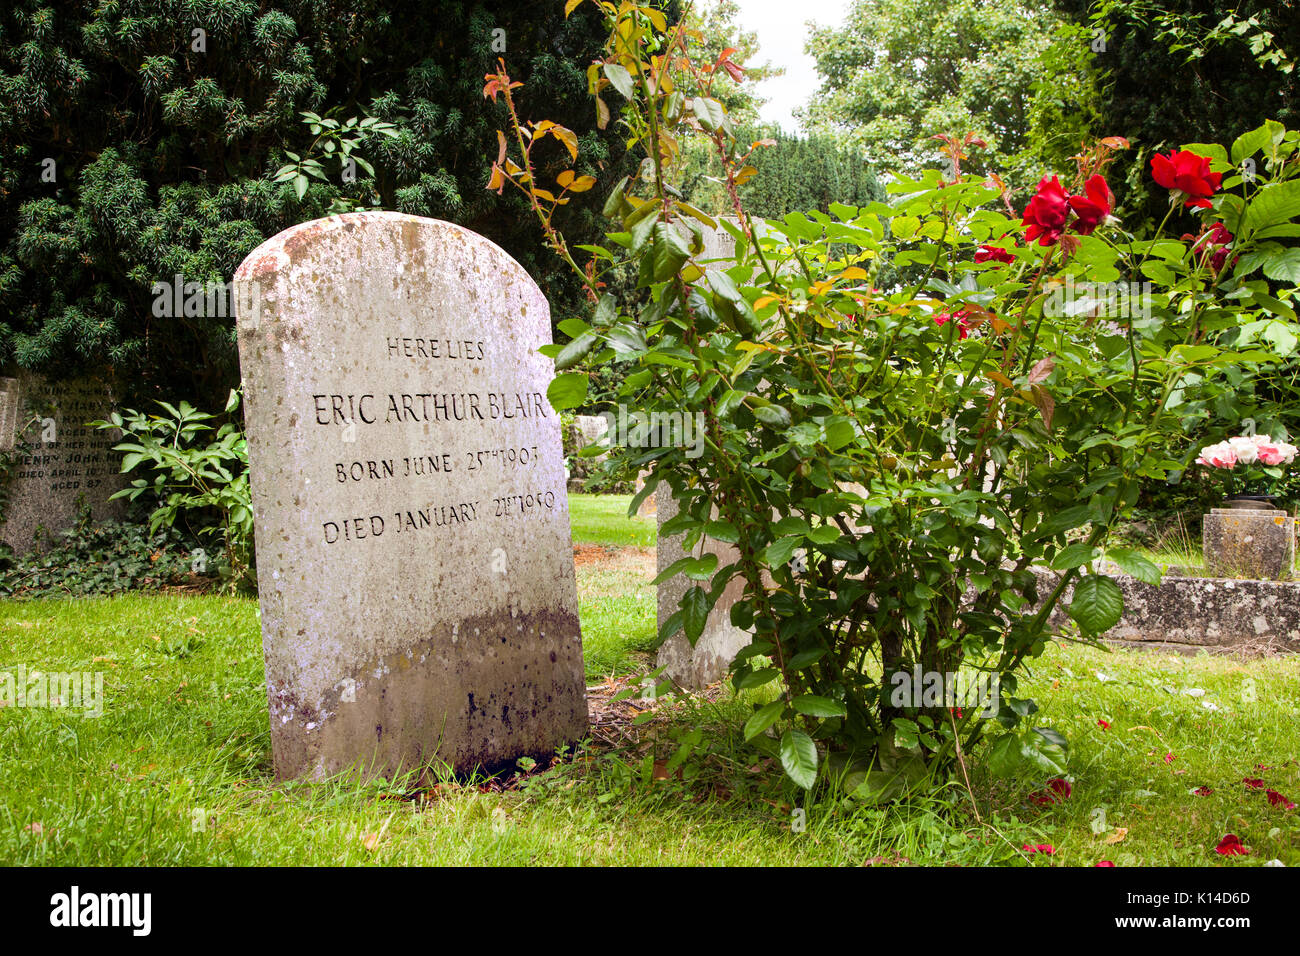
1192,614
1254,544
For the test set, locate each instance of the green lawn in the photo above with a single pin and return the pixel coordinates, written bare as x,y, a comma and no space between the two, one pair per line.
602,519
177,770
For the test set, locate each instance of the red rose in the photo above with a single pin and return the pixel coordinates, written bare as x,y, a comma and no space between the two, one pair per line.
1187,173
1203,791
1231,845
1104,863
1253,782
1277,800
993,254
1058,791
1220,237
961,315
1093,207
1046,213
1039,848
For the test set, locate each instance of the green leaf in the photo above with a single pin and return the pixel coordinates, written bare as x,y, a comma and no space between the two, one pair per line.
1074,555
812,705
824,534
1213,150
1284,266
728,402
695,613
698,569
619,78
839,432
723,531
906,733
1135,565
757,678
1248,144
1065,520
668,253
764,718
805,658
799,758
710,113
779,551
1275,203
1005,758
731,304
774,416
574,351
567,391
1098,604
904,227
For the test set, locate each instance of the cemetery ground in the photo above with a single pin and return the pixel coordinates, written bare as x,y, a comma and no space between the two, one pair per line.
1168,754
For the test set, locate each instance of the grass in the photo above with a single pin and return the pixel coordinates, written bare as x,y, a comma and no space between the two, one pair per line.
602,519
177,770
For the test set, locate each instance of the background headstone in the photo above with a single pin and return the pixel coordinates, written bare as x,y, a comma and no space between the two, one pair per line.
708,661
720,642
649,506
58,466
1256,544
414,557
585,430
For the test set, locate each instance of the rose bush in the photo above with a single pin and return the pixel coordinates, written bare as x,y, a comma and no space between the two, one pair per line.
893,464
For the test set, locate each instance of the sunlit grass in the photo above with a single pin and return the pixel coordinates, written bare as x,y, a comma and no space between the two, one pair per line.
177,770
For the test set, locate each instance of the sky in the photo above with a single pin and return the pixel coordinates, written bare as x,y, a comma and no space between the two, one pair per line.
782,31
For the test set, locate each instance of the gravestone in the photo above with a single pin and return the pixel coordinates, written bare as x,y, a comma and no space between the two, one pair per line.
414,558
709,659
1258,544
57,467
585,431
717,646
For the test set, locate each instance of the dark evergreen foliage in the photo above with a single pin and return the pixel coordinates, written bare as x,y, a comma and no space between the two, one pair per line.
162,150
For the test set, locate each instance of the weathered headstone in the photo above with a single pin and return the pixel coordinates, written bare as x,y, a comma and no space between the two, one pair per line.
711,656
717,646
1249,543
57,467
413,550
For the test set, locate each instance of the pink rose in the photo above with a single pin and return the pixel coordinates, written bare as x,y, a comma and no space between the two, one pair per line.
1218,456
1270,454
1274,453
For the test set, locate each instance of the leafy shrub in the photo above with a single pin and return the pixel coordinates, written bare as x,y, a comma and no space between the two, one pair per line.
894,465
208,479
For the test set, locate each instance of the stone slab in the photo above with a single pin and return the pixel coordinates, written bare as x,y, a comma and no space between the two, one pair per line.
60,467
414,556
1253,544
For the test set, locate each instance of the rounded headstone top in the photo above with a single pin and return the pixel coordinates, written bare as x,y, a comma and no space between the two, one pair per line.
277,254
